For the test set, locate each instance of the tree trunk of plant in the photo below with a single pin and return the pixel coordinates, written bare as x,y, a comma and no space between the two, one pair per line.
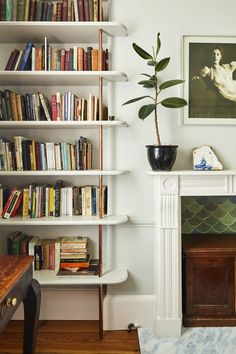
157,128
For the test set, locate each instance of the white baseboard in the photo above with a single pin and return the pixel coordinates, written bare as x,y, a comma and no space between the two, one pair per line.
119,310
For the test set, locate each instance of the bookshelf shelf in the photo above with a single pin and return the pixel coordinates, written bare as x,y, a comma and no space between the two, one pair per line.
49,278
58,32
61,124
66,220
62,173
59,78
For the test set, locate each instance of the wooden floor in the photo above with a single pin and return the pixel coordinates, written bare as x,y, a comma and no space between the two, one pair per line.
70,337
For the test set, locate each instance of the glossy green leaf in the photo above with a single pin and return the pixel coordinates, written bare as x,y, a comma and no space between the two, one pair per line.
141,52
135,99
173,102
158,43
147,83
162,64
170,83
151,62
146,110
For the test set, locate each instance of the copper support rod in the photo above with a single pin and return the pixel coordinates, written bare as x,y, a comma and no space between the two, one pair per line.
100,48
100,250
100,295
100,11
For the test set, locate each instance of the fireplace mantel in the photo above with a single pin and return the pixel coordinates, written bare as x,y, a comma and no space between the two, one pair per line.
169,188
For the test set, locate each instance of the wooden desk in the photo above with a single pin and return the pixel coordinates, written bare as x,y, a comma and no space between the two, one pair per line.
17,285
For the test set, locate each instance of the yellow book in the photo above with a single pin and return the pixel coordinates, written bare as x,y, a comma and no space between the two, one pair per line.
51,201
25,211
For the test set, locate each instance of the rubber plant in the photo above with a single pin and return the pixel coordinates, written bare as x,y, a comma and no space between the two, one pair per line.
152,82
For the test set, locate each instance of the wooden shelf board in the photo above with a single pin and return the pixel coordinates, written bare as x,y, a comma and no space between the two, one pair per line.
65,220
58,32
62,173
54,78
49,278
61,125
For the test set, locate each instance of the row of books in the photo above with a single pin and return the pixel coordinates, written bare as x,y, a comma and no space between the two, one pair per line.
23,154
37,107
48,58
37,201
74,252
55,10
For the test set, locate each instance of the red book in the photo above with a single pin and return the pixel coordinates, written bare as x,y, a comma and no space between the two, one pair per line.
85,61
54,107
81,10
8,202
64,10
16,207
86,10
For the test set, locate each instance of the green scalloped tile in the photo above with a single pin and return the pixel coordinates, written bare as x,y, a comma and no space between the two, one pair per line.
186,214
202,214
195,221
227,220
211,205
203,200
219,200
228,205
220,212
203,228
186,201
221,228
233,212
195,208
233,227
211,220
187,228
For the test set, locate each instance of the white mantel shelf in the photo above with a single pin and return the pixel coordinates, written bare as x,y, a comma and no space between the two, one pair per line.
169,187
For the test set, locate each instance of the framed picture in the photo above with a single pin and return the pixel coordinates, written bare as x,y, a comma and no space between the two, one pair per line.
209,66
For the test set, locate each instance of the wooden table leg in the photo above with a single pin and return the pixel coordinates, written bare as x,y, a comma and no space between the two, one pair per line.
31,316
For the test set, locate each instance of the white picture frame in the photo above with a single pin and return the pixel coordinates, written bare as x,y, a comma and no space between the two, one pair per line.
209,70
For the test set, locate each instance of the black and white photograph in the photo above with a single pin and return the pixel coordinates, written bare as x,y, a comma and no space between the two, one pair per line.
210,80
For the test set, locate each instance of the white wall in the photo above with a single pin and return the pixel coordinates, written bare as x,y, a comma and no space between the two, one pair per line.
133,243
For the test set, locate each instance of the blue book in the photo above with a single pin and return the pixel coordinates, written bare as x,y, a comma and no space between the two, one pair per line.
26,60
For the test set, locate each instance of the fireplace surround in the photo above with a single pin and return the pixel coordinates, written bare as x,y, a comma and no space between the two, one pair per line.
169,188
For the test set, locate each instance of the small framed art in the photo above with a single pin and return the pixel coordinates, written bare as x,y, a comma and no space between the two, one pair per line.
209,66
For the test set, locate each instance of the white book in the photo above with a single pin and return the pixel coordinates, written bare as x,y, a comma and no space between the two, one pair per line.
50,154
33,67
18,60
76,12
69,201
45,54
75,58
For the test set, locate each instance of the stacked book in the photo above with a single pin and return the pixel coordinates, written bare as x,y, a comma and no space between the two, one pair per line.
74,258
46,57
46,252
37,107
74,252
23,154
37,201
55,10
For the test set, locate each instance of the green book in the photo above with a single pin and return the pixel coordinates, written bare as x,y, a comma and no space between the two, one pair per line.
16,244
8,10
20,10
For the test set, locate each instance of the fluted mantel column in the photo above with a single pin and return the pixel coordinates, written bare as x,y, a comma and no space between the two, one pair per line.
167,273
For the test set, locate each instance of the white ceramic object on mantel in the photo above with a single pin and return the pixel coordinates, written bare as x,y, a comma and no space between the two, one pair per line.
204,158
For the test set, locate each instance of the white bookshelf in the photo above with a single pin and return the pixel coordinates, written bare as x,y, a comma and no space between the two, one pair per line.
107,220
12,33
58,32
49,278
62,124
59,78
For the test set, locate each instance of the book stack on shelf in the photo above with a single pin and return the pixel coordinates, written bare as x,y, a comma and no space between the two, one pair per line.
56,10
46,57
37,107
46,200
23,154
74,257
46,252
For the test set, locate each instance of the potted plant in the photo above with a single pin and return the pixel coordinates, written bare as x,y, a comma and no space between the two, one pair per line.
160,157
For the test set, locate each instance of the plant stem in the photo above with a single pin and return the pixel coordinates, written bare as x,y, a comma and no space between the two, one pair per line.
156,127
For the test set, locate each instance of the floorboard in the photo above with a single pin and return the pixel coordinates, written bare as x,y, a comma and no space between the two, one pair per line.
70,337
